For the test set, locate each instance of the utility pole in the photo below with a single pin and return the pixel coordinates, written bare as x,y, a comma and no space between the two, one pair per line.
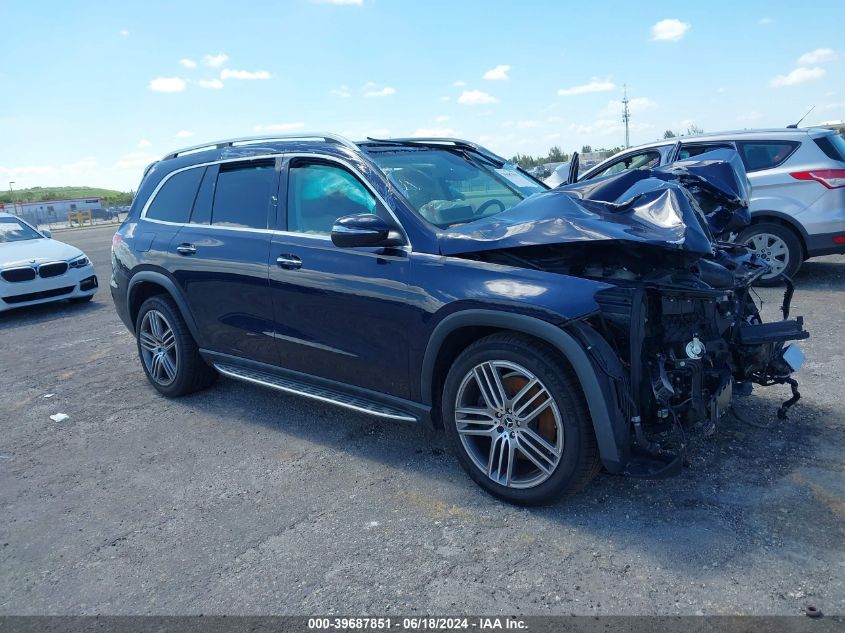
12,198
626,115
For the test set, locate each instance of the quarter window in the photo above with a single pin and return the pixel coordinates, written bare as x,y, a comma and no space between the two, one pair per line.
319,194
832,145
243,195
174,200
765,154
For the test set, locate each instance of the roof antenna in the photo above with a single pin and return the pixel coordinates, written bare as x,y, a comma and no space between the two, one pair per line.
795,125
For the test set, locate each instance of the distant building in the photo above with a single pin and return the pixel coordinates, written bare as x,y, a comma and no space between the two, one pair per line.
832,125
47,211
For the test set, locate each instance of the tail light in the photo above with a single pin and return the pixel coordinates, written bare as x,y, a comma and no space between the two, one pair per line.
116,239
830,178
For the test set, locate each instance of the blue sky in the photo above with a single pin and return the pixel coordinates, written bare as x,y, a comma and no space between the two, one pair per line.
93,91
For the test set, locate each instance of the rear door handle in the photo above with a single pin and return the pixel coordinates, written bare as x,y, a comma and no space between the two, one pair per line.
289,262
186,249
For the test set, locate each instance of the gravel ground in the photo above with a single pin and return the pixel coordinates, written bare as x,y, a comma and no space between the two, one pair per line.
244,501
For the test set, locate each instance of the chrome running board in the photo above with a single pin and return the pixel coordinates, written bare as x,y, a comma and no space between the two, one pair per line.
323,394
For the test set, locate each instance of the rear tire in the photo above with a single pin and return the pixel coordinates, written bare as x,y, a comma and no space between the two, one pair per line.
482,436
168,352
777,244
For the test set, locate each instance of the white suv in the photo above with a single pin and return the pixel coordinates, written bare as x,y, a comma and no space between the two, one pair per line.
798,187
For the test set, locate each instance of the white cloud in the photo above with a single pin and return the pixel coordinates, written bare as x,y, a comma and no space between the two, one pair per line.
460,83
342,92
445,99
833,106
441,119
229,73
213,84
279,127
215,61
765,21
797,76
476,97
188,63
750,116
671,30
818,56
184,134
595,85
134,160
124,32
371,89
499,73
167,84
356,3
435,132
144,143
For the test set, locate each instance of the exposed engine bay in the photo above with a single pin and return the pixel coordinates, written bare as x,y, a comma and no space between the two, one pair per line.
680,314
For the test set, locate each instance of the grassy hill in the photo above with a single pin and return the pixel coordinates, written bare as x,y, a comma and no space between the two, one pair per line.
38,194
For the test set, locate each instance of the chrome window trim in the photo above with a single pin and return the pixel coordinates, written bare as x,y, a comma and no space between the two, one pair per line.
241,159
222,161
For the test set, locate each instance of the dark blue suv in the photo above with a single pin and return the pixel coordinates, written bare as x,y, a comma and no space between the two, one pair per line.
551,333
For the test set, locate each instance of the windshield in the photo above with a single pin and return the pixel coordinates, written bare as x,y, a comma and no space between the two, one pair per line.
13,230
448,188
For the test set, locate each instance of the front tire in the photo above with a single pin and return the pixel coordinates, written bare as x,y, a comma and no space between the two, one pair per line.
518,422
778,245
168,352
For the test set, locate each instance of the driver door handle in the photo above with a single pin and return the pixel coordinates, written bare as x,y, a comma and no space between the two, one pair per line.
289,262
186,249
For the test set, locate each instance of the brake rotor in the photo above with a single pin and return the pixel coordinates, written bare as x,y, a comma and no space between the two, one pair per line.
545,421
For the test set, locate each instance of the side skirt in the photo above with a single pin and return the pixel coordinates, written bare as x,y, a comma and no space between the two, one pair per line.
342,395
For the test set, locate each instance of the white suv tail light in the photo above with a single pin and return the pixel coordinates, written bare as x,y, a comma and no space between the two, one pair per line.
830,178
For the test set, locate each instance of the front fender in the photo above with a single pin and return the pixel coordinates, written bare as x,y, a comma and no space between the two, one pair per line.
609,422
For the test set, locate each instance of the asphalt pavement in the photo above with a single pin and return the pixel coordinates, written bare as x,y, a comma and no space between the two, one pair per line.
240,500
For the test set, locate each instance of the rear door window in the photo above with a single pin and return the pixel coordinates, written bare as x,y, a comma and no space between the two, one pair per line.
243,195
174,200
648,159
757,155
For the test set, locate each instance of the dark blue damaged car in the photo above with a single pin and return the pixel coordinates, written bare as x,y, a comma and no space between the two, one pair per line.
550,333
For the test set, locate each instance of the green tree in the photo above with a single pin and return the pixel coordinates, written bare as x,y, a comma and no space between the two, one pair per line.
586,149
693,129
668,134
556,155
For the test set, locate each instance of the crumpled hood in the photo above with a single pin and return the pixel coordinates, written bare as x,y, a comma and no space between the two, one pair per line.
678,207
40,250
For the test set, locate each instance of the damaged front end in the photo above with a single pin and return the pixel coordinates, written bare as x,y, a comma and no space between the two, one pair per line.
680,314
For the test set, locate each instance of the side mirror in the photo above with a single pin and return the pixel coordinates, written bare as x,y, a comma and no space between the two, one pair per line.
46,233
364,229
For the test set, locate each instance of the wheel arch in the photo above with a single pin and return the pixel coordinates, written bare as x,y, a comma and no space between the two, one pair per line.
458,330
782,219
148,283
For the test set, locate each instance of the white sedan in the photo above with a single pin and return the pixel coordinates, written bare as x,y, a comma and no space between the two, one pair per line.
36,269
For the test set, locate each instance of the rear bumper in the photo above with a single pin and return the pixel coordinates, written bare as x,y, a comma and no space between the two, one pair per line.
826,244
118,285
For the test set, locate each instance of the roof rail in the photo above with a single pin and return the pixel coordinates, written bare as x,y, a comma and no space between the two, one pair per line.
435,140
248,140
